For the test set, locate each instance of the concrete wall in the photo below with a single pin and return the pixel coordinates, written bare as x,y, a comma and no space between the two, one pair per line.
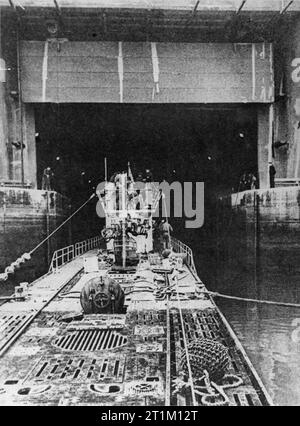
11,129
264,143
4,162
287,105
26,217
147,72
259,226
275,205
30,165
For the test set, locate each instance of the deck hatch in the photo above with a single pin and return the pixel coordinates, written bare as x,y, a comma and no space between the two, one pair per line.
10,324
79,369
91,340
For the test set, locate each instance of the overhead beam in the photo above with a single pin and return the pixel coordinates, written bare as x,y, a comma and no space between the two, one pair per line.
277,16
57,7
285,8
20,102
241,6
11,3
195,8
193,13
163,5
104,22
15,3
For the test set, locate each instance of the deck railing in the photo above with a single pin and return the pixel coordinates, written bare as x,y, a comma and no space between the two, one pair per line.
66,254
180,247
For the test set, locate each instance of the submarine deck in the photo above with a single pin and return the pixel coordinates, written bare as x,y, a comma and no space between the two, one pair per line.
52,356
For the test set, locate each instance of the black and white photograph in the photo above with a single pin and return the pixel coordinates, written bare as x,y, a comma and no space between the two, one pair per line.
149,206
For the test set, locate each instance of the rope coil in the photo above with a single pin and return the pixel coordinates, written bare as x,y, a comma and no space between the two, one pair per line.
208,359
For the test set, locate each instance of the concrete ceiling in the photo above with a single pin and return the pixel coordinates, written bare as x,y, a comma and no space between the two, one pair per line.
213,5
159,21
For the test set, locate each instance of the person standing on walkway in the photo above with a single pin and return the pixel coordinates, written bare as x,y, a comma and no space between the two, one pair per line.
166,230
47,179
272,172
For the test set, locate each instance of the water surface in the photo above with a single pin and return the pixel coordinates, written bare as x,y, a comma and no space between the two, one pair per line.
268,333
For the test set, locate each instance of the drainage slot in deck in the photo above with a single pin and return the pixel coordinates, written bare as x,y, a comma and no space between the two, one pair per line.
152,379
42,369
24,391
249,400
11,382
91,340
114,389
105,389
79,369
237,399
35,390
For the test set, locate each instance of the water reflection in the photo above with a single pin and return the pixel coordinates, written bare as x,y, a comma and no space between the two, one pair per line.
268,333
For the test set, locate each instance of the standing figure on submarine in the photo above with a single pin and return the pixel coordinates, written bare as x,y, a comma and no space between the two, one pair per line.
166,230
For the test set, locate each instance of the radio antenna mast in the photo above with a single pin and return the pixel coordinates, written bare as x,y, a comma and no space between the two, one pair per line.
105,168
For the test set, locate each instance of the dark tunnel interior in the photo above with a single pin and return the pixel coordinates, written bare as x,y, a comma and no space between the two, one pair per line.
185,143
178,142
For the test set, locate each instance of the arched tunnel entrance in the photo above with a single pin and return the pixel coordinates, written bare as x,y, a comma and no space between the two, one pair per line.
213,144
186,143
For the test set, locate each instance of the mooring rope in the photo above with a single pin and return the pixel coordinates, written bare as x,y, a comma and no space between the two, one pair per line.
27,256
62,224
244,299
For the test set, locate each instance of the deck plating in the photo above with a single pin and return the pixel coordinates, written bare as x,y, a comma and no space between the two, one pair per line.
64,358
